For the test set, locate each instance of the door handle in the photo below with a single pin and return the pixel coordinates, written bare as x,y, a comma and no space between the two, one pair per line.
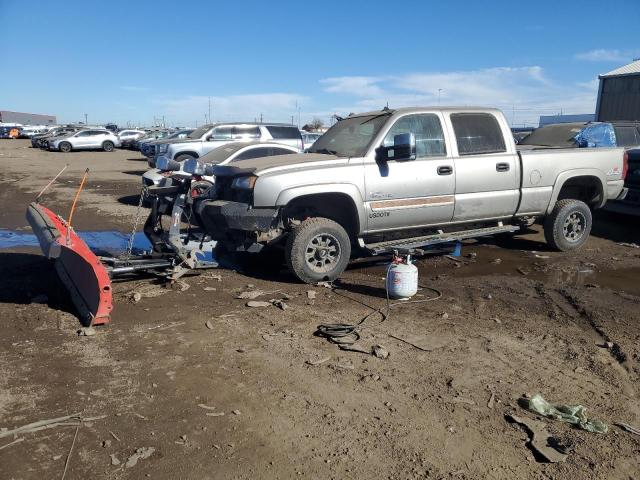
502,167
445,170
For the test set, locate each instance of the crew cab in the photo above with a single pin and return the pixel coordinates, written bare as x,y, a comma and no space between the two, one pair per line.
408,176
208,137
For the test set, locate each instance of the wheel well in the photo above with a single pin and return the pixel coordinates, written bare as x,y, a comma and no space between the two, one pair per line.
585,188
338,207
193,154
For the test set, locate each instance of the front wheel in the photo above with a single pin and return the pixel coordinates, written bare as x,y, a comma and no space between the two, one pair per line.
568,226
65,147
107,146
318,250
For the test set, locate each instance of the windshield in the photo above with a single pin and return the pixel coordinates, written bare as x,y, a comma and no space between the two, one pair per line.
220,154
350,137
199,132
558,135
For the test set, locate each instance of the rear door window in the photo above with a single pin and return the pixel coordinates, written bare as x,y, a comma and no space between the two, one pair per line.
253,153
279,151
284,132
477,133
246,132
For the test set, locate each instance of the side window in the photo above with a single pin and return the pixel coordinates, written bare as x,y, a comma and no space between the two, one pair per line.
222,133
84,133
278,132
428,133
477,133
252,153
279,151
627,136
246,132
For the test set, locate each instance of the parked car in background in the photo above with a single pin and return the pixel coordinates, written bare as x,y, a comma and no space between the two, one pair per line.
41,139
142,144
585,135
309,138
30,130
128,137
204,139
520,133
231,152
149,149
91,139
112,127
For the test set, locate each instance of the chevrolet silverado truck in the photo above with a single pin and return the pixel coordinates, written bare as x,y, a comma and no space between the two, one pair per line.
405,178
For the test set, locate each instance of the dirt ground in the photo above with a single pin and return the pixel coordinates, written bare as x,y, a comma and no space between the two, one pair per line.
254,394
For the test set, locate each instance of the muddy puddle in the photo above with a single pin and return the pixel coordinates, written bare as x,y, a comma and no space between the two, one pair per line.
540,266
488,260
112,242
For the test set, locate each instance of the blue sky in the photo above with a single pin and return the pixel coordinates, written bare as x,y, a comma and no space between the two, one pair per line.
133,61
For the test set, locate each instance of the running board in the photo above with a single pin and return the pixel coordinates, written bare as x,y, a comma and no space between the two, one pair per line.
413,243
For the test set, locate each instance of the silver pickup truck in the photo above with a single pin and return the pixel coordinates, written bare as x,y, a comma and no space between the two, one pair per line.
405,178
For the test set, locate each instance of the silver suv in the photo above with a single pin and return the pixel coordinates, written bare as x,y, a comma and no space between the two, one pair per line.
91,139
204,139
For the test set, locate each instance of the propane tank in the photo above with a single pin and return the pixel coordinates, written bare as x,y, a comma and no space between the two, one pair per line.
402,278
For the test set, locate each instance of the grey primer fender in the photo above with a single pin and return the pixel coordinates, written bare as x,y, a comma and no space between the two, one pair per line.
580,172
350,190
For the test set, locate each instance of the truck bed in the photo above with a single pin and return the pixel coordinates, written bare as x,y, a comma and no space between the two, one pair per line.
542,168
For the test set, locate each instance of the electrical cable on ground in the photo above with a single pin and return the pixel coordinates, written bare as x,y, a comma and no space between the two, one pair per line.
347,334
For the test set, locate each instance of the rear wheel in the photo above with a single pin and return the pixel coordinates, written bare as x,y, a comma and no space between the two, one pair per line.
568,226
107,146
65,147
318,250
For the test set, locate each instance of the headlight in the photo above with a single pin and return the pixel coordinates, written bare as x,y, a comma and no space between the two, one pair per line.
193,166
167,165
163,148
244,183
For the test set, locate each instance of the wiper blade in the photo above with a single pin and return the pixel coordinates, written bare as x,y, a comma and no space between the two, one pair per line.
376,116
325,151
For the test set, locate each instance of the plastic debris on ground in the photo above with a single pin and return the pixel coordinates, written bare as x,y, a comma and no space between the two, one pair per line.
573,414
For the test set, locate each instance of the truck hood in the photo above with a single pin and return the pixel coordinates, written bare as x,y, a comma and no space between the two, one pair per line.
163,141
258,166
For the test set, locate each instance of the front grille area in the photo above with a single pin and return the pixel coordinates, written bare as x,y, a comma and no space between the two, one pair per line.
225,192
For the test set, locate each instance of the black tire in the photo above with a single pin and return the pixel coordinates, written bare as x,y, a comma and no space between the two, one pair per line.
318,250
183,156
65,147
568,226
107,146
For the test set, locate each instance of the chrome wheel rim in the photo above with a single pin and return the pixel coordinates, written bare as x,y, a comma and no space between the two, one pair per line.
574,226
322,253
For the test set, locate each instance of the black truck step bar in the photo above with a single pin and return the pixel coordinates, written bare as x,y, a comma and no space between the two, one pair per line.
414,243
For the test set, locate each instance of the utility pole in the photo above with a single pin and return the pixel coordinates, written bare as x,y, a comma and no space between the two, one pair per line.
210,110
85,119
439,92
261,118
292,120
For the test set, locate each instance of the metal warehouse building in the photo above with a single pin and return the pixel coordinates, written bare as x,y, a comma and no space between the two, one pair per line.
619,94
7,116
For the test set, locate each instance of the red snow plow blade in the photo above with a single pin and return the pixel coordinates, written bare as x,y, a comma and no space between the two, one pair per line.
82,273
